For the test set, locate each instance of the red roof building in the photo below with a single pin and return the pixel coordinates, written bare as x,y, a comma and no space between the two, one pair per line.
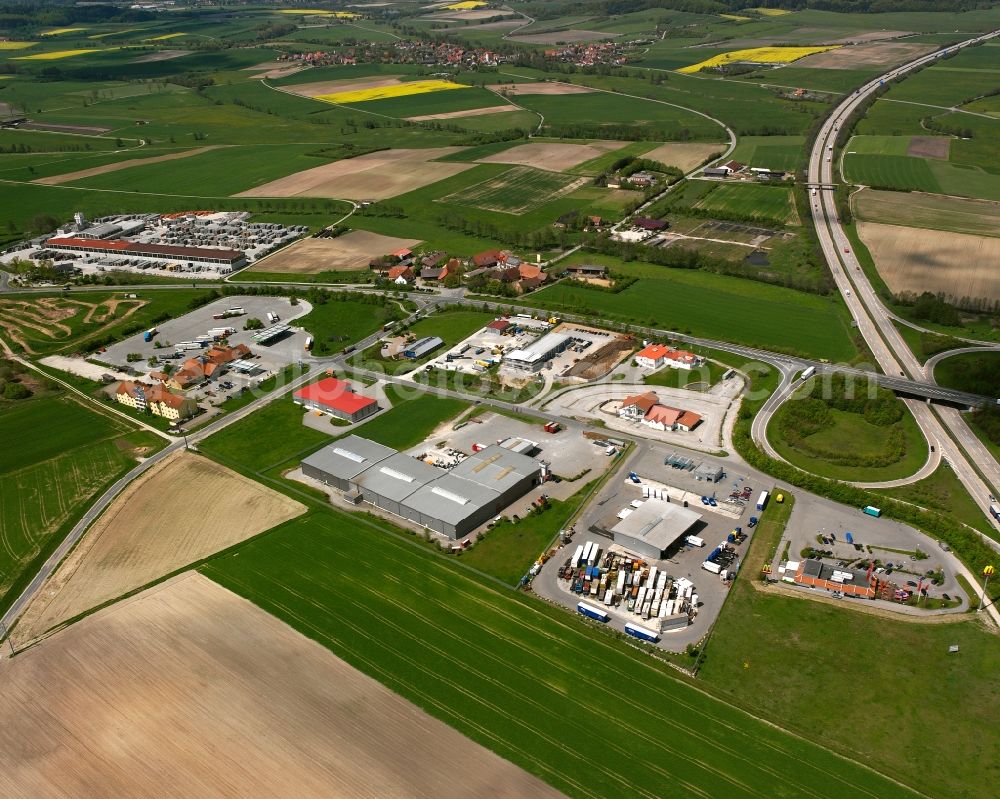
212,255
336,398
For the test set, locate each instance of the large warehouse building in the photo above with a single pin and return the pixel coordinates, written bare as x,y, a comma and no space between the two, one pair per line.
207,255
655,526
533,357
453,502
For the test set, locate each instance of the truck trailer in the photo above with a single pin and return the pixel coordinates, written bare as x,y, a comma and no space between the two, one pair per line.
762,500
642,633
591,611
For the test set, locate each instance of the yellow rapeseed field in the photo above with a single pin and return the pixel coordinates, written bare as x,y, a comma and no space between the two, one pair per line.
387,92
757,55
16,45
771,12
165,36
58,31
464,5
57,54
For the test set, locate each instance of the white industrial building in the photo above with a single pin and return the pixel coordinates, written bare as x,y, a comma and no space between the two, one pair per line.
533,357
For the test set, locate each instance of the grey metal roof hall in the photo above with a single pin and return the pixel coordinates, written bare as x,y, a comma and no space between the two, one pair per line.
451,500
397,477
496,468
654,526
345,459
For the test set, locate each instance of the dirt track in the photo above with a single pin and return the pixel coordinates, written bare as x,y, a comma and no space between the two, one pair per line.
472,112
375,176
177,513
352,251
189,691
80,174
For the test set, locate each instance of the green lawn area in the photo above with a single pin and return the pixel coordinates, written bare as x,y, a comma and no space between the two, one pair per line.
521,675
795,659
347,318
702,377
57,456
770,152
265,438
943,492
713,306
852,436
879,145
411,419
508,550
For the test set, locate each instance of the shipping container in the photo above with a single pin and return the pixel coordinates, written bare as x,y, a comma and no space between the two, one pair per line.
575,560
595,554
695,541
709,566
642,633
587,549
620,587
591,611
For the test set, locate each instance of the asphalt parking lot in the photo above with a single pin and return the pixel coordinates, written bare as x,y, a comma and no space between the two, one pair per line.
199,322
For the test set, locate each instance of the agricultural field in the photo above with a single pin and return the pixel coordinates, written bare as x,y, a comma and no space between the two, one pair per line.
217,696
928,211
374,176
755,55
913,259
130,546
675,299
350,252
58,455
493,644
515,191
751,201
553,157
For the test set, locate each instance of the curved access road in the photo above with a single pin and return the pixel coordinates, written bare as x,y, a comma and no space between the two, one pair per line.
934,360
944,429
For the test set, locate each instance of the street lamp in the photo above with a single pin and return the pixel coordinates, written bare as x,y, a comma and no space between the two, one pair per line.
987,573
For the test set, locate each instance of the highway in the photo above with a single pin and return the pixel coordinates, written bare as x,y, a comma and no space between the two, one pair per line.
945,427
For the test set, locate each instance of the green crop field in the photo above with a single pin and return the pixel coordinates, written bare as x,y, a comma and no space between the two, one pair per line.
58,455
713,306
751,200
522,676
516,191
891,172
928,211
878,145
442,102
770,152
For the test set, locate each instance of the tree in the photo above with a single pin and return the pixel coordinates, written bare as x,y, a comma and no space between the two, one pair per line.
43,223
253,323
16,391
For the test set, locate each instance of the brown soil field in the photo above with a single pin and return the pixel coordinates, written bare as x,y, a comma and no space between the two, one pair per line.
472,112
80,174
188,690
375,176
331,86
542,87
684,156
601,361
953,264
938,147
177,513
876,54
553,157
349,252
565,36
161,55
469,14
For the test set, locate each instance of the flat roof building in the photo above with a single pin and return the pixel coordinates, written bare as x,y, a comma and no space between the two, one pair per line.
652,528
534,356
337,398
422,346
338,464
453,502
211,255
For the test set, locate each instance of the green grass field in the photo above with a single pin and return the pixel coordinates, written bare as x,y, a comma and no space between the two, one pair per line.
751,200
340,322
58,455
524,679
901,172
976,372
943,492
770,152
713,306
515,191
